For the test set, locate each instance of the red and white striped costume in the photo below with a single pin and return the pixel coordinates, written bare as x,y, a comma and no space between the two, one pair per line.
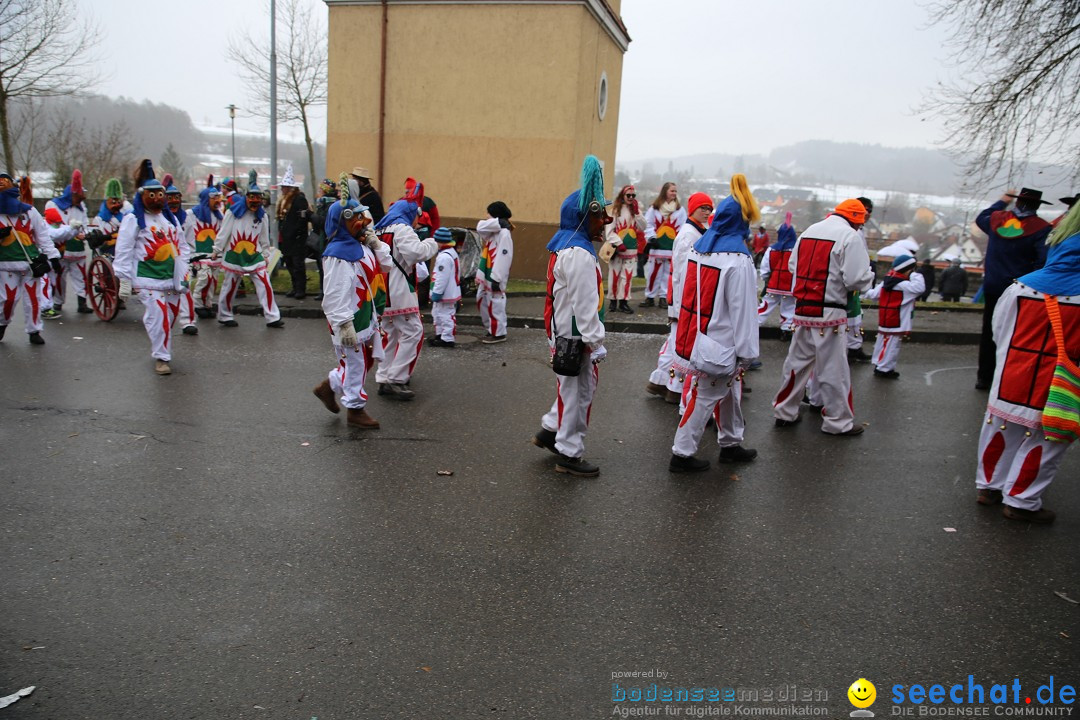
29,232
244,243
661,228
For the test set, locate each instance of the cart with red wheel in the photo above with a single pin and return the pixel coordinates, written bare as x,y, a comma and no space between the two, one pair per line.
103,288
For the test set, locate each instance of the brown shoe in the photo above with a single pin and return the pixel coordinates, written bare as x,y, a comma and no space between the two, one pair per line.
360,419
326,395
1039,517
672,397
988,496
162,368
654,389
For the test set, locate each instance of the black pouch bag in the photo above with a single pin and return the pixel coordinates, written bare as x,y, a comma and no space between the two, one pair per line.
569,354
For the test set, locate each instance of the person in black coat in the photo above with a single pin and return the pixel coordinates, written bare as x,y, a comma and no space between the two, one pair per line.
368,195
328,195
954,282
926,269
294,217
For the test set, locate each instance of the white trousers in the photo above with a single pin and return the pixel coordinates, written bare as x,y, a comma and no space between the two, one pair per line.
786,303
187,310
568,417
16,285
73,270
662,375
718,398
231,282
205,287
160,308
347,379
854,332
620,275
657,270
821,351
403,338
492,308
444,315
886,351
1016,460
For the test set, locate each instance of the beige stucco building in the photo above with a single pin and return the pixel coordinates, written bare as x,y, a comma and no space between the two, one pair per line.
482,100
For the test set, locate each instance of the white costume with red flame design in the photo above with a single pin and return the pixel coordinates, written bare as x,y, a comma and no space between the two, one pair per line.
627,234
29,231
689,234
661,228
496,256
575,299
246,236
73,254
403,329
204,282
350,291
154,260
828,262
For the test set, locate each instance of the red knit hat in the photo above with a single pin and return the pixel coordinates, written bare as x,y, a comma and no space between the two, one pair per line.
697,200
53,217
852,210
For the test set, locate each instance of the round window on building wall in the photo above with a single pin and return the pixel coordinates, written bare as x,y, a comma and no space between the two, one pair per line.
601,100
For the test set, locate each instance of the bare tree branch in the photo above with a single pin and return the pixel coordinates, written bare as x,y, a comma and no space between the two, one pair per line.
46,50
1017,101
302,66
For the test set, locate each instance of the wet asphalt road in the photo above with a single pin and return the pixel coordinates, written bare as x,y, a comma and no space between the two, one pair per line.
214,544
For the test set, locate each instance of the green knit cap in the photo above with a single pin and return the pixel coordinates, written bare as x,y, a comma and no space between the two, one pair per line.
113,188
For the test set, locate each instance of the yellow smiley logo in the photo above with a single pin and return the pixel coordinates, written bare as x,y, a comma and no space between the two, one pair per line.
862,693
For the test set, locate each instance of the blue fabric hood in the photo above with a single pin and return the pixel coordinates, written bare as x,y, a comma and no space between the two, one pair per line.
573,230
1061,274
728,230
785,238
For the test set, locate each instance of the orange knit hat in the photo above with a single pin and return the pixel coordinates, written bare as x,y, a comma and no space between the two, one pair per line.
852,210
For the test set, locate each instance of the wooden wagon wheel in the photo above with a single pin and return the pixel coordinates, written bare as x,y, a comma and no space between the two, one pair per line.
104,289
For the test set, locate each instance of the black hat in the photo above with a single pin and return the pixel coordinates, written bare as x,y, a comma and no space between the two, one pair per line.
498,209
1069,200
1029,196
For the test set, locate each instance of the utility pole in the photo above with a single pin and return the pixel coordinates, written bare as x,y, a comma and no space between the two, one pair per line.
232,121
273,97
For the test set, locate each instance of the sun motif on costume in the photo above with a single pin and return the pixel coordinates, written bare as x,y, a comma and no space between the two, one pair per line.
666,230
19,231
161,250
1011,228
205,235
243,251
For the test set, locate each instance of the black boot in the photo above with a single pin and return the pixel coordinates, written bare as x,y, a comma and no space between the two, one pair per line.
83,308
613,306
624,307
647,302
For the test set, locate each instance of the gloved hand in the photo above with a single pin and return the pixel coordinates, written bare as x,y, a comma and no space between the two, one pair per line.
598,355
496,286
55,264
435,297
347,335
125,289
77,224
370,238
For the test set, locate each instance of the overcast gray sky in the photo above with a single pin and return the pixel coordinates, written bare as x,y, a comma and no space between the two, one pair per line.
700,75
